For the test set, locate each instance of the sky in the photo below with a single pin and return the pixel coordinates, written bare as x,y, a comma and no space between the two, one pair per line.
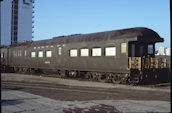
65,17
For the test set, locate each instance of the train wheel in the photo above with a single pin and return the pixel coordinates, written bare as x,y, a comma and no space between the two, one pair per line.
102,78
115,79
38,71
89,75
25,70
73,74
16,69
64,73
20,70
95,77
32,71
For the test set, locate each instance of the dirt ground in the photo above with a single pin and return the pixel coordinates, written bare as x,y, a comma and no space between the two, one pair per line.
74,90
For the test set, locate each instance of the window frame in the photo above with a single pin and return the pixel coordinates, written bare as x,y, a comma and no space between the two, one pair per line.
59,50
114,51
123,52
42,54
20,51
73,50
2,55
32,55
25,53
148,49
92,52
17,53
87,52
46,53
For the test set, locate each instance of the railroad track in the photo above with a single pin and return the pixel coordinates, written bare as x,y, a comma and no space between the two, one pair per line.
50,90
57,87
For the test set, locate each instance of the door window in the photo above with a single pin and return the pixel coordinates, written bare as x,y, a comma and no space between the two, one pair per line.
133,50
150,49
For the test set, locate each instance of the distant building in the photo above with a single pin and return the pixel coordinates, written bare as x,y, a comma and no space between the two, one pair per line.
16,21
161,51
168,51
164,52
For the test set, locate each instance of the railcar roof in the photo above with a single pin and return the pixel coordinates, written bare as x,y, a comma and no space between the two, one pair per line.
142,34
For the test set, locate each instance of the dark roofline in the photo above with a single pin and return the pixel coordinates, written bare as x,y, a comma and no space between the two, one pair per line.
142,33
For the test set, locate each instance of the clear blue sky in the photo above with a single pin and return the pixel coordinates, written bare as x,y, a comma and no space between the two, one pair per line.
64,17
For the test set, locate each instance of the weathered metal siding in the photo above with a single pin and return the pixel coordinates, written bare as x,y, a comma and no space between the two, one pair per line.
118,63
4,59
96,63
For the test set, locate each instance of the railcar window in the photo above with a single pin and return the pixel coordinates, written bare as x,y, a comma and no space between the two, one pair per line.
40,54
123,47
59,50
150,49
96,52
15,53
84,52
110,51
20,53
2,55
73,53
33,54
48,53
25,53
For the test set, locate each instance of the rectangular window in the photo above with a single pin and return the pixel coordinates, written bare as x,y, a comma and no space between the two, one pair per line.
123,47
59,50
133,50
20,53
84,52
14,53
33,54
96,52
48,53
150,49
40,54
2,55
110,51
73,53
25,53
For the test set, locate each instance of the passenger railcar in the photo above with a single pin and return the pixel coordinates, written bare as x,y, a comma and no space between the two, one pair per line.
118,56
